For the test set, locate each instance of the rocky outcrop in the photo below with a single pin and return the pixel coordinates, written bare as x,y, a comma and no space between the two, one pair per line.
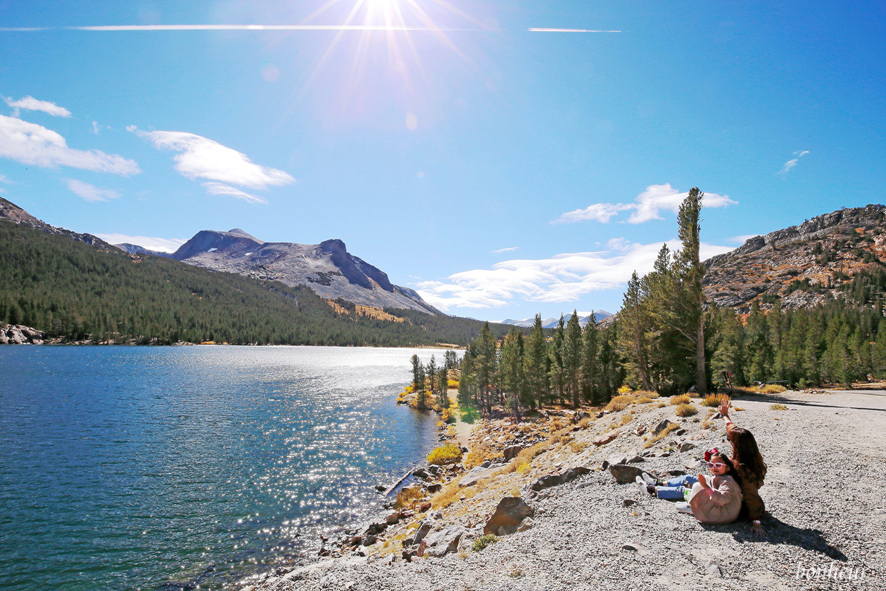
12,213
16,334
800,266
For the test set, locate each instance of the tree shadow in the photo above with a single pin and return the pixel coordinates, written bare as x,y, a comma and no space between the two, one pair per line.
786,398
779,532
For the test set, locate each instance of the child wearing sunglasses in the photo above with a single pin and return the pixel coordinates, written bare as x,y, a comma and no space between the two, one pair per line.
716,499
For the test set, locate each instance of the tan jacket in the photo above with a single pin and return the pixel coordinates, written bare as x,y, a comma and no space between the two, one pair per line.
720,503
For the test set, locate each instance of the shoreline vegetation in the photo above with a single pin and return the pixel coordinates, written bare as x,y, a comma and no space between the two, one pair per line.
489,480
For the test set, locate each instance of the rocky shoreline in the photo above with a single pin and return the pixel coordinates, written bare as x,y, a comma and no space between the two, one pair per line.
562,511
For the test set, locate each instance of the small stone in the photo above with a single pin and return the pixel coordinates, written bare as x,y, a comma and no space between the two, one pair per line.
686,446
628,502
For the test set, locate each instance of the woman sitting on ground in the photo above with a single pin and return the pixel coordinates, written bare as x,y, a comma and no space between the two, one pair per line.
750,466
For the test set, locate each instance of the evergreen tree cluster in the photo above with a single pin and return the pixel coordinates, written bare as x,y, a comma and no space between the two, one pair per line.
834,344
574,366
77,292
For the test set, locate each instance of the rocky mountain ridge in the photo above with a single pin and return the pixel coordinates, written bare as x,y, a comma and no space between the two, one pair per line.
800,266
327,268
11,212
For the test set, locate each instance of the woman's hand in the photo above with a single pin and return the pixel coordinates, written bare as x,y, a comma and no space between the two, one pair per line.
724,407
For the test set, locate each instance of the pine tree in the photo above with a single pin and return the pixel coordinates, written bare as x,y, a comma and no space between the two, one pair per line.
572,346
535,366
589,360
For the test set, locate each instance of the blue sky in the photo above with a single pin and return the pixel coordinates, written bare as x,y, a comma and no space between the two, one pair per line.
504,158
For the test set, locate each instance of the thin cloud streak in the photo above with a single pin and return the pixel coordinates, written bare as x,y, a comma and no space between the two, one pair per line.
89,192
546,30
358,28
223,189
29,103
559,279
792,162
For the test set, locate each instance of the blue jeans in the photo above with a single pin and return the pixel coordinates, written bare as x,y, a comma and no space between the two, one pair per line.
673,488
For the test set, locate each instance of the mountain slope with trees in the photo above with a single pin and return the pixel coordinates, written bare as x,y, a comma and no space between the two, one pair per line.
75,291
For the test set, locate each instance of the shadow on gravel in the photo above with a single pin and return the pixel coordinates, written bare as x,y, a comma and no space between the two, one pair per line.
788,399
779,532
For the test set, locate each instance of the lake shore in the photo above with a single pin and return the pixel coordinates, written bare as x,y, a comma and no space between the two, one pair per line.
825,517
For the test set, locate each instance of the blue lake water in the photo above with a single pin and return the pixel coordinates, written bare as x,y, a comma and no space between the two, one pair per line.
179,467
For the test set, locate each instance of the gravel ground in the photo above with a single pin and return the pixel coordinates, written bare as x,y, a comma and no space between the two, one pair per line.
823,493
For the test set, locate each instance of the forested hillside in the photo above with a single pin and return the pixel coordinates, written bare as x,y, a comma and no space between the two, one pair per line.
76,292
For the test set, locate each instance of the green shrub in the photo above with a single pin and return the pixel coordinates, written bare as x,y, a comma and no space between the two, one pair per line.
483,541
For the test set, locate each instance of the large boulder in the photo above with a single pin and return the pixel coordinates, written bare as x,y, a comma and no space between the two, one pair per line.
546,481
442,542
624,474
604,439
664,424
508,515
511,452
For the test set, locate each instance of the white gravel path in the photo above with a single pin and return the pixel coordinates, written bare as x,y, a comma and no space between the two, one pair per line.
826,512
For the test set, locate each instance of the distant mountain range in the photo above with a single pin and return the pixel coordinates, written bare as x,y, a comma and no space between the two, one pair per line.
552,322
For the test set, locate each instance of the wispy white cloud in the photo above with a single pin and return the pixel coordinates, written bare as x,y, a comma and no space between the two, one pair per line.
647,206
223,189
149,242
34,144
29,103
89,192
599,212
741,239
792,162
200,157
509,249
562,278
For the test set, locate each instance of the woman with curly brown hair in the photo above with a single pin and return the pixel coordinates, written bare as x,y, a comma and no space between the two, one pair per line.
750,467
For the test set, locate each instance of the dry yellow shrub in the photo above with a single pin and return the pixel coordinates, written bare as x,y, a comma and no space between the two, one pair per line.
686,410
681,399
619,403
711,400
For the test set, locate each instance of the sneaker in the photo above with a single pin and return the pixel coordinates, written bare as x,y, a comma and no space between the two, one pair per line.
647,488
684,508
648,479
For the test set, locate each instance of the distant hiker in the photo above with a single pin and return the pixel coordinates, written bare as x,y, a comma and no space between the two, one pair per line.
714,499
750,467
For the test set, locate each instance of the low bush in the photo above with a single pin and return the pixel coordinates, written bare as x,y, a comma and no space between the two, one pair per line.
483,541
778,406
445,454
711,400
664,433
407,496
619,403
686,410
681,399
